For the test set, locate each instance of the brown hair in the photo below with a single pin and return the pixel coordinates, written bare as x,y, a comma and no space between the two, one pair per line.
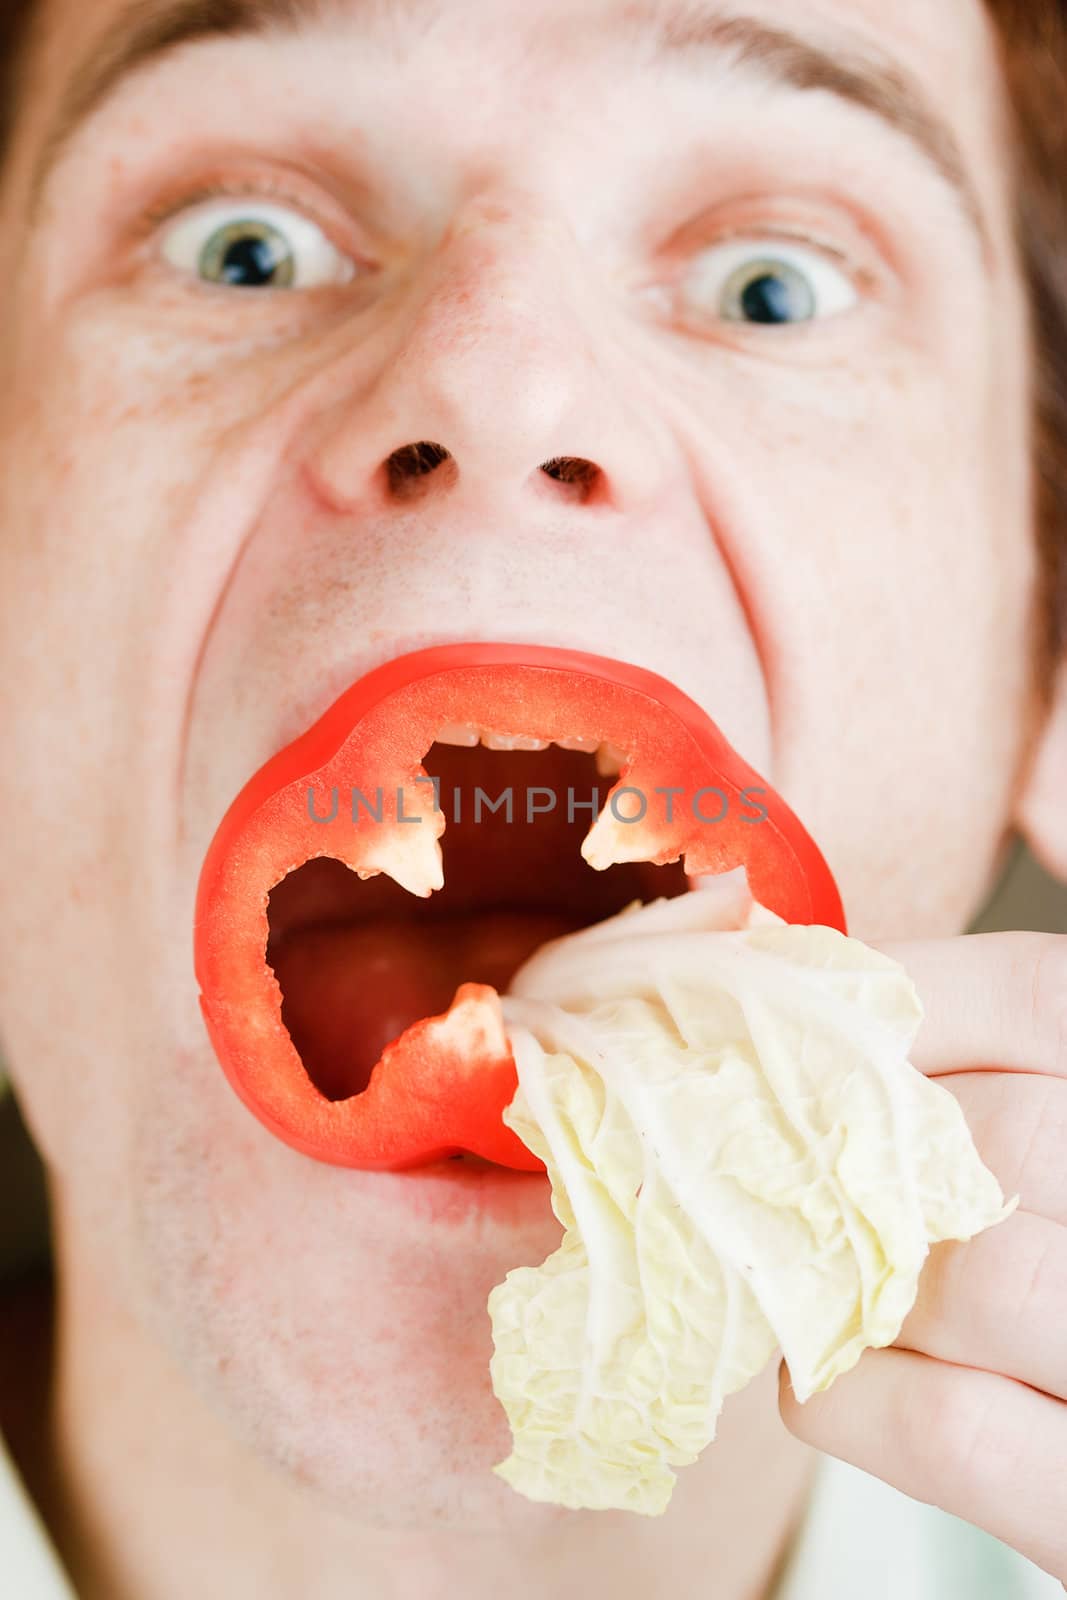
1032,38
15,16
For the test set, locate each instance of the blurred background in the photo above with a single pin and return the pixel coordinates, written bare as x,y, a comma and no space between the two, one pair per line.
1026,897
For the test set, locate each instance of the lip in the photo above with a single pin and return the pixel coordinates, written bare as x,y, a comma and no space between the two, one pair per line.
474,1176
454,1070
451,1193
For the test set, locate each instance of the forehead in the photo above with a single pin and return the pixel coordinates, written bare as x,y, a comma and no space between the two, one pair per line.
947,40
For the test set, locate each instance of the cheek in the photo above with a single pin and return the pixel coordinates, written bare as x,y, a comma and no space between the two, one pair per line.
878,521
103,457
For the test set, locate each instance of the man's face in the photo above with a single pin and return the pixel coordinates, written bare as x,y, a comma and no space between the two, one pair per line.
520,233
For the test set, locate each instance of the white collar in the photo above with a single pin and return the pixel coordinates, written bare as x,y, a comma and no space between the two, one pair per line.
28,1562
862,1540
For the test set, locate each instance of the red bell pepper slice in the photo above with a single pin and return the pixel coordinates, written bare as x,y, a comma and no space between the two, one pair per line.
441,1087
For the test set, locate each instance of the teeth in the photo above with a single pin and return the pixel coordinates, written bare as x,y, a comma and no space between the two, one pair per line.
609,760
463,733
588,745
511,741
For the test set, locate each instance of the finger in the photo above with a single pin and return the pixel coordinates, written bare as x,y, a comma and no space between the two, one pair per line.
998,1302
991,999
1019,1124
980,1446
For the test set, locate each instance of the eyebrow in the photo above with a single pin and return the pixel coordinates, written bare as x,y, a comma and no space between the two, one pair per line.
146,31
864,78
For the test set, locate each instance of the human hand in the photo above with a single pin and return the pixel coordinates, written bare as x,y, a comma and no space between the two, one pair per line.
967,1410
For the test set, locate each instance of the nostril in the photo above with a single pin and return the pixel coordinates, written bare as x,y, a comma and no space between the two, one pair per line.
410,465
412,462
575,471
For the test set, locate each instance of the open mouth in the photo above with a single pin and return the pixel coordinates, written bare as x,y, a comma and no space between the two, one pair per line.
359,961
373,888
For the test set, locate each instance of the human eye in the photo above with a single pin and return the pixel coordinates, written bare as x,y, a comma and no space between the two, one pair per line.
253,244
768,282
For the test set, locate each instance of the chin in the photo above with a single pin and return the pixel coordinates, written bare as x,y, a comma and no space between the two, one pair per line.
334,1321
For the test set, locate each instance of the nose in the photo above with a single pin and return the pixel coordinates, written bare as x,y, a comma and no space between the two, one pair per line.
507,381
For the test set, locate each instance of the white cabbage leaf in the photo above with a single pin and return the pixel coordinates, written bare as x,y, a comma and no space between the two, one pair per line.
742,1159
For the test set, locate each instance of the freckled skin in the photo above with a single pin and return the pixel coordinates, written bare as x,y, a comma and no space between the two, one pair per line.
826,544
